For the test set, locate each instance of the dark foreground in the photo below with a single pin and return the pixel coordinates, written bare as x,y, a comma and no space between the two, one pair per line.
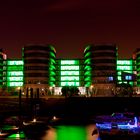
76,105
90,106
75,108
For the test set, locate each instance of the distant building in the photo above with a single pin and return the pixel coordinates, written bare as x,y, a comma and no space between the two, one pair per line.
100,67
98,72
3,57
39,67
125,67
13,74
69,72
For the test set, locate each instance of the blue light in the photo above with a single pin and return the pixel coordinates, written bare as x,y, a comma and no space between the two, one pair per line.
128,77
120,126
110,78
104,125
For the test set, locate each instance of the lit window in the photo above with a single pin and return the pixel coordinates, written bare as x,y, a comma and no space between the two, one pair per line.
128,77
110,78
119,78
69,67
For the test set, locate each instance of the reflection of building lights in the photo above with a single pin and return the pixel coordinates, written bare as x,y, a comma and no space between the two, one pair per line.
3,134
15,128
17,135
54,117
24,123
92,132
34,120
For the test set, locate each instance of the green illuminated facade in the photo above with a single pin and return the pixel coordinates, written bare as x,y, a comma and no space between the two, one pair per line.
14,73
69,72
87,71
100,68
39,67
124,66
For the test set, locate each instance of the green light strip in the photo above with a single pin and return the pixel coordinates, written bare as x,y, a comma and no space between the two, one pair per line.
124,67
124,62
17,62
69,62
69,72
15,84
15,73
15,78
69,67
70,78
69,83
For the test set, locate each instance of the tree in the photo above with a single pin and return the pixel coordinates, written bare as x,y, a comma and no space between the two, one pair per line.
74,91
65,91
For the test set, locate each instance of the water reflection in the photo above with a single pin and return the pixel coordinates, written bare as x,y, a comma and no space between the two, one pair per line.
71,132
50,134
92,132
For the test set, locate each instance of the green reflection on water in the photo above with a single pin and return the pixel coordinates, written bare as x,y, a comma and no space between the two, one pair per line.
7,127
20,135
71,133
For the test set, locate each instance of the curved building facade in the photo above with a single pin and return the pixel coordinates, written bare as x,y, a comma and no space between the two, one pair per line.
1,67
100,67
39,67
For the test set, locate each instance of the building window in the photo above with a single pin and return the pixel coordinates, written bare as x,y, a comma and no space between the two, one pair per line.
110,78
128,77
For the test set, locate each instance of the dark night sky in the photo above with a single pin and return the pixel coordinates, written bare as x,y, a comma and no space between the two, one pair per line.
69,25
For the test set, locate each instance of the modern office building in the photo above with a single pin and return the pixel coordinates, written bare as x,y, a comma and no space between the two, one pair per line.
98,72
69,72
136,57
14,73
39,67
3,57
125,68
100,67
